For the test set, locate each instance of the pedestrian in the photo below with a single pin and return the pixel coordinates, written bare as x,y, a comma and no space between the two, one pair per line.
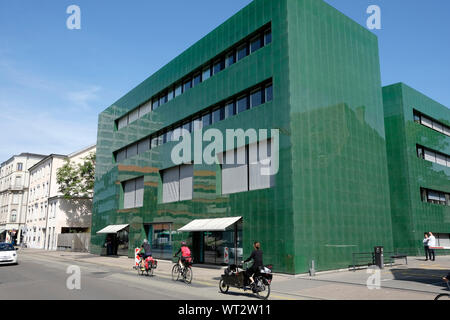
425,246
431,245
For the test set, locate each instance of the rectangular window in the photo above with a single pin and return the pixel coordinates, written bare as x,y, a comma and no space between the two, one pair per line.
206,73
430,156
235,171
260,159
426,122
242,52
230,110
206,120
133,116
436,197
255,44
197,124
187,127
178,90
186,181
145,108
267,37
170,95
218,115
19,166
123,122
256,98
441,159
154,143
171,185
242,104
121,155
161,140
155,103
187,85
133,193
143,145
132,150
230,59
162,100
177,134
269,93
197,79
218,66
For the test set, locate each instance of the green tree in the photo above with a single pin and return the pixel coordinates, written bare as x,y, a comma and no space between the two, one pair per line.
77,180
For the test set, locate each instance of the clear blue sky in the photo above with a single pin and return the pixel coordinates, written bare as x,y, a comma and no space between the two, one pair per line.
54,82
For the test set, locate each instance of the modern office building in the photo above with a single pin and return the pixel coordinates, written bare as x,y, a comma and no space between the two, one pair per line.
298,66
14,178
418,149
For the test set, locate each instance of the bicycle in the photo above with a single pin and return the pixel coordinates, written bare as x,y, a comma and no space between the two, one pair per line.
184,271
444,296
148,266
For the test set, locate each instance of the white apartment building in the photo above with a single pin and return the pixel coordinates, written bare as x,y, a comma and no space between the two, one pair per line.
14,183
49,213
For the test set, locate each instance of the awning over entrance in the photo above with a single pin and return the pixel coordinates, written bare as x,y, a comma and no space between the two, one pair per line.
113,228
218,224
2,229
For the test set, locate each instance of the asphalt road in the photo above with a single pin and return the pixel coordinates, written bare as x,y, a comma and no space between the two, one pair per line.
46,278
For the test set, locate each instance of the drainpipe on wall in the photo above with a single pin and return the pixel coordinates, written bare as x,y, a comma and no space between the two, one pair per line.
48,194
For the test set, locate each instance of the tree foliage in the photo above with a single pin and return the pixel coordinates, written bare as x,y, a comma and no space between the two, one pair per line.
77,180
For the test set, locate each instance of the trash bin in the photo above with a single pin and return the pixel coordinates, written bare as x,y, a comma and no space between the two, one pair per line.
379,259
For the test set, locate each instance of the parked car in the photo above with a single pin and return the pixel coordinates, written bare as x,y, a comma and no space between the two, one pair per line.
8,254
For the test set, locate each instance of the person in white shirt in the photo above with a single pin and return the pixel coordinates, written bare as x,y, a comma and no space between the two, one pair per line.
425,246
431,244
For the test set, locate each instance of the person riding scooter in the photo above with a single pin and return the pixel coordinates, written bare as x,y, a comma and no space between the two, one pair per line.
257,257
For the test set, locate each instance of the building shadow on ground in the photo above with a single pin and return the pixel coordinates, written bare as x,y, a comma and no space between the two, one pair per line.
426,276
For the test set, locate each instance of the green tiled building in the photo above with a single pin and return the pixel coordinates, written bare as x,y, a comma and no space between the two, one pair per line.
418,148
298,66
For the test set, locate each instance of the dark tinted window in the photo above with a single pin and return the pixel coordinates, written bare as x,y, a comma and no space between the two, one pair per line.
269,93
230,110
155,103
255,44
206,119
267,37
242,104
256,98
218,115
206,73
231,59
187,85
197,79
242,52
187,126
218,66
6,247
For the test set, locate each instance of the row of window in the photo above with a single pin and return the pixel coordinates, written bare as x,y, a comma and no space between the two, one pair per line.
436,197
244,101
178,182
433,156
431,123
238,52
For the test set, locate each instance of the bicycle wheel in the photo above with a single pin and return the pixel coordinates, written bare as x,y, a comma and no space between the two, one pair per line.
265,291
443,297
188,275
223,287
175,272
150,271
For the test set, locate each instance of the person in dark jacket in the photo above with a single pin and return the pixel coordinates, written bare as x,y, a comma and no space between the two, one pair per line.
257,257
145,252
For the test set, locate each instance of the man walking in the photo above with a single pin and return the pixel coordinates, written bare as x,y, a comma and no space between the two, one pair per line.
425,246
431,245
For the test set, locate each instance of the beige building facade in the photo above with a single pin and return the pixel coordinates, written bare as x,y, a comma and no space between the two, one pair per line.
14,190
49,213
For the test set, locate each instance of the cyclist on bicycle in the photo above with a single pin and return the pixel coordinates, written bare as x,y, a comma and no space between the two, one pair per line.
146,251
185,254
